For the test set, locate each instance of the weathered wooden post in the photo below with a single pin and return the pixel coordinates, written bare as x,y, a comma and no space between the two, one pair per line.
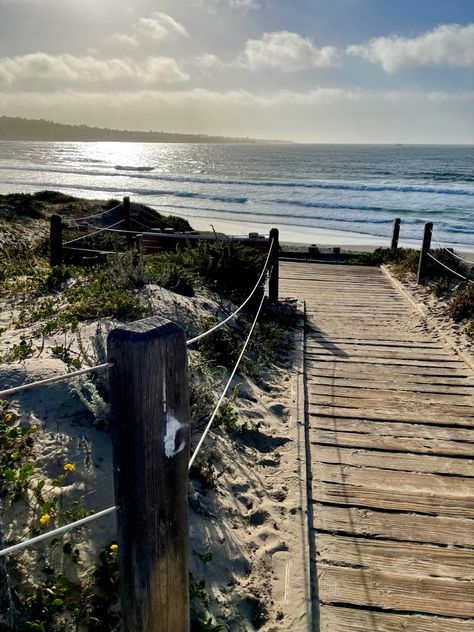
425,247
274,265
395,233
55,240
150,437
127,224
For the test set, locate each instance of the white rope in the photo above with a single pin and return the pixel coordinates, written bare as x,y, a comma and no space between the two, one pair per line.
50,534
52,380
447,268
108,210
96,232
226,320
451,251
221,399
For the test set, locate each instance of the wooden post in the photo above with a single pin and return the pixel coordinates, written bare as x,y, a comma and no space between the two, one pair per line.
425,247
274,266
56,240
150,437
395,233
127,223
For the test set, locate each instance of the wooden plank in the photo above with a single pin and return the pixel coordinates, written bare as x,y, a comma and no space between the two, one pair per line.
404,430
457,488
374,374
394,460
387,353
326,384
381,414
320,357
405,558
377,404
404,593
406,527
393,442
398,343
426,501
345,619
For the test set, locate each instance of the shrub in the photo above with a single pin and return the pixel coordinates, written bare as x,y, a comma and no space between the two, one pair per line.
461,305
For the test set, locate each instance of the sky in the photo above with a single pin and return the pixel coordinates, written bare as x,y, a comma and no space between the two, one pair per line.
329,71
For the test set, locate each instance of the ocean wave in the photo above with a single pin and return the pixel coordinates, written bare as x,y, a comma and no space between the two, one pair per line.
126,168
350,207
294,184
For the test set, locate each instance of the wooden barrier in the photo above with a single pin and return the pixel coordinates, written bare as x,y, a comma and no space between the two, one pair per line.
150,436
274,265
425,247
55,240
395,233
127,224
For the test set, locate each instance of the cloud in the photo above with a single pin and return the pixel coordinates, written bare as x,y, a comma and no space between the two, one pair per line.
287,51
211,6
156,28
447,45
36,69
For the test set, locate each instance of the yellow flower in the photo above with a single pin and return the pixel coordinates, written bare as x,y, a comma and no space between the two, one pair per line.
69,467
114,549
44,519
8,417
33,428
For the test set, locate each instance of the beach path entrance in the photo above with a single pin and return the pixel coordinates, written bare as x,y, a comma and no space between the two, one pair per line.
390,440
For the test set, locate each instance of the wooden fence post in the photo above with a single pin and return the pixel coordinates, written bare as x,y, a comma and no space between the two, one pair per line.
150,436
274,266
55,240
127,223
425,247
395,233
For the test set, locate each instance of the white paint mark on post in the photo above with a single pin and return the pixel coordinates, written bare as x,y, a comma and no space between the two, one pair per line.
173,426
164,394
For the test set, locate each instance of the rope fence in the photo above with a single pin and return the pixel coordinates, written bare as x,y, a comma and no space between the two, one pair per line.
105,512
461,276
226,389
96,232
107,365
108,210
239,309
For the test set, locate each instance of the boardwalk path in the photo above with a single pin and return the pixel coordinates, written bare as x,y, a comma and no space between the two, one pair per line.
390,421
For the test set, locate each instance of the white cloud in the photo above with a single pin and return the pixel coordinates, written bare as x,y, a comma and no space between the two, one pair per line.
156,28
447,45
38,68
211,6
287,51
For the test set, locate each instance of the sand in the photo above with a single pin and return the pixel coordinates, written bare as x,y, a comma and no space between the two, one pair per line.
250,529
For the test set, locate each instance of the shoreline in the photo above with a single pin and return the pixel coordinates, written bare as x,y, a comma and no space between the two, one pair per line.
302,237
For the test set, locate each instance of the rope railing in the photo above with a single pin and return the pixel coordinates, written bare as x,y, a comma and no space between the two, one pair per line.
53,380
105,512
239,309
108,210
54,532
461,276
96,232
471,262
120,502
224,393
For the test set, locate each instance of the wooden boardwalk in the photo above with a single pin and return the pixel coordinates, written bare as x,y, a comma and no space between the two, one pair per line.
390,429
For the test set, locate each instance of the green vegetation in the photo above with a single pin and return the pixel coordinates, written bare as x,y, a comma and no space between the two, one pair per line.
53,300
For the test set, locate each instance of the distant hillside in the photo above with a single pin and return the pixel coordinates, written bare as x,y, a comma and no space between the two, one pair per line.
15,128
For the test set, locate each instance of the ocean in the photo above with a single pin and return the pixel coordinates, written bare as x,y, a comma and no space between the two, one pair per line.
356,190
